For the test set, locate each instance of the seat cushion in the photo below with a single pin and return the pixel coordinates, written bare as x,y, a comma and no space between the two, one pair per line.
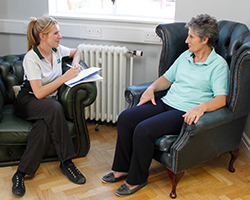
14,135
165,142
12,128
16,130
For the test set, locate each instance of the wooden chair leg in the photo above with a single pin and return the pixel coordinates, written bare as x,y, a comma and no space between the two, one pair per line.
175,178
234,156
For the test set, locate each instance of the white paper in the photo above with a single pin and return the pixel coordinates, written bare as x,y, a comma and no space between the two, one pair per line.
86,75
96,77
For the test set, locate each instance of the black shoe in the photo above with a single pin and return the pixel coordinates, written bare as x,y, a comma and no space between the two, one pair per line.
125,191
73,173
18,187
110,178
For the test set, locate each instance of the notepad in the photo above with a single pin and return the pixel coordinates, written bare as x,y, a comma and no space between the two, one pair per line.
86,75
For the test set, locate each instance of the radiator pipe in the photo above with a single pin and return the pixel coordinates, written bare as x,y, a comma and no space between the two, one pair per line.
132,54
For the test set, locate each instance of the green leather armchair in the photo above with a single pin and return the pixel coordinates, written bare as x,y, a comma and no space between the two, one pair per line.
14,131
216,132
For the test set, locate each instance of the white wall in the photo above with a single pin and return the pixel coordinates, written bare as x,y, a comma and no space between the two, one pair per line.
235,10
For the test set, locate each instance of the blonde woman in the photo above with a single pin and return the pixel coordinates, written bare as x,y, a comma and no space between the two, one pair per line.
37,102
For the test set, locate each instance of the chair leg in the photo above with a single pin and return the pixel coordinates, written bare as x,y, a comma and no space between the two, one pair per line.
234,156
175,178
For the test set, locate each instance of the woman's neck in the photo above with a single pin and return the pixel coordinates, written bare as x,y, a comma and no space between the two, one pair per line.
202,55
45,51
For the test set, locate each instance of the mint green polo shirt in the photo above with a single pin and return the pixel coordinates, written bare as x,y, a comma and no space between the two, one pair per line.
196,83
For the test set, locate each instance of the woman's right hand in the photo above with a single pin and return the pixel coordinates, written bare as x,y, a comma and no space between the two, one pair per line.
148,95
160,84
71,73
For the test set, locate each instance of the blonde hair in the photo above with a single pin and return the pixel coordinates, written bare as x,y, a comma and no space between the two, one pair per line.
36,26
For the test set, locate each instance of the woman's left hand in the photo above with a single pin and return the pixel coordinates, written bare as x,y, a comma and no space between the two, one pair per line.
77,65
194,114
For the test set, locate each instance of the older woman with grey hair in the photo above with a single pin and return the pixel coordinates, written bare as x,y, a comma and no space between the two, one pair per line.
205,26
197,82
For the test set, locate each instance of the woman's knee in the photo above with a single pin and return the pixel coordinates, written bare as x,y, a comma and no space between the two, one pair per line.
124,117
39,131
53,105
143,132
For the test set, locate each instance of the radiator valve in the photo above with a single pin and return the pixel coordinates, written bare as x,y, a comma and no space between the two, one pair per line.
136,53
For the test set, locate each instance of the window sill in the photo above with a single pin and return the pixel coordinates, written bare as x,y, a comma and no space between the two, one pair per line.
112,19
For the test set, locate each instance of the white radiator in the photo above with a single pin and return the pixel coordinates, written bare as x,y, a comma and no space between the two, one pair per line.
112,60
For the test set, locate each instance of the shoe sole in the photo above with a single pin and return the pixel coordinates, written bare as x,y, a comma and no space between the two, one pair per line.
17,194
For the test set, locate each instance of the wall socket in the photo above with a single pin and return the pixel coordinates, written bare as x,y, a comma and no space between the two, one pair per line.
94,32
151,37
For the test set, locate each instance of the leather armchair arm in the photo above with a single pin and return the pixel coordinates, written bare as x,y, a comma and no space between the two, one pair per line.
77,97
198,143
74,100
133,93
208,121
213,119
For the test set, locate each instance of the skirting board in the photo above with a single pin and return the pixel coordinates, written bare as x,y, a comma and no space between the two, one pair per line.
246,144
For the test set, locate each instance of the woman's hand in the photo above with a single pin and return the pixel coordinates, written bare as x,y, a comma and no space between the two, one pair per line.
160,84
148,95
72,72
194,114
76,64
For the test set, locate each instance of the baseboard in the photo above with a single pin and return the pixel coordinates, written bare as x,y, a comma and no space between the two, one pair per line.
246,144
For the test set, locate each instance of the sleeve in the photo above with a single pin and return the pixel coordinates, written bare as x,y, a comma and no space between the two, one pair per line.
63,51
170,74
31,67
220,79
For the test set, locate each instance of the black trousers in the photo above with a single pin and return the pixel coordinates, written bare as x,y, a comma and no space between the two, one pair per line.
50,126
138,128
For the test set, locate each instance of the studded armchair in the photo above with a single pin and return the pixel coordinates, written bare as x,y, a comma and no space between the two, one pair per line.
14,131
216,132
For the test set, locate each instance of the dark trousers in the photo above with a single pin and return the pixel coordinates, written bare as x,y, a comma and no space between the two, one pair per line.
50,126
138,128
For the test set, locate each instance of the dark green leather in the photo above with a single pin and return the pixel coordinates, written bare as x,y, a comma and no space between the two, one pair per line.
14,131
216,132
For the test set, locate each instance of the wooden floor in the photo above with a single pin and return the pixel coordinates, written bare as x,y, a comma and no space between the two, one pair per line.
210,180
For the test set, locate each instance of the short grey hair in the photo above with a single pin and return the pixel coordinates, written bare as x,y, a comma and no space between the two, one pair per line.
205,26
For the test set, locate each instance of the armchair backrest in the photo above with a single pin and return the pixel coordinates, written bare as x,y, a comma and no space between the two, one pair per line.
11,73
232,36
173,43
233,45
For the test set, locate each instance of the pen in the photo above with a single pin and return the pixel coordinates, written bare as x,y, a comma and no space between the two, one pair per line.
72,66
69,65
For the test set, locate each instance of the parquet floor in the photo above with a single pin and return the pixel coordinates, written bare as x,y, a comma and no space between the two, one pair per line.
208,181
